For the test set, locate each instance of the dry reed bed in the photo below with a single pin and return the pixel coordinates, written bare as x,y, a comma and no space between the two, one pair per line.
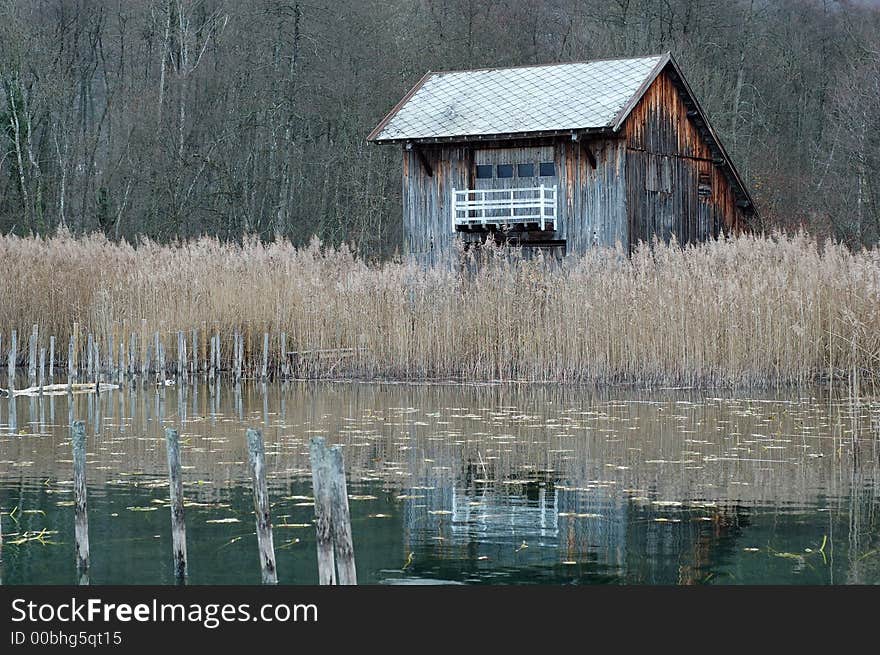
747,311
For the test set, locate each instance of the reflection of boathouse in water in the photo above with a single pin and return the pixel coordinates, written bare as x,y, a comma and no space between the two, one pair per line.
529,528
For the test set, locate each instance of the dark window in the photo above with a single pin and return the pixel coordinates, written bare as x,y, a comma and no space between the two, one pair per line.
704,185
504,170
525,170
484,171
547,169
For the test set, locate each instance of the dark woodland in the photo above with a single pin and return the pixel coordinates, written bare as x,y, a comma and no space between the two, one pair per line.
176,118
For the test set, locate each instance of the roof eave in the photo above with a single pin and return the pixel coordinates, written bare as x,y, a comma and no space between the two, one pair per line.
396,108
503,136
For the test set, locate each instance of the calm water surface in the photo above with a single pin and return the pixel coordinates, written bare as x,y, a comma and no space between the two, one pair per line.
499,484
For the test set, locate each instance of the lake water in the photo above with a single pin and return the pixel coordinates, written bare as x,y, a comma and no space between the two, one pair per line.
498,484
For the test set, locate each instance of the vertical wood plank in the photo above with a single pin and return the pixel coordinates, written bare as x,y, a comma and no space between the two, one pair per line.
323,522
341,519
257,459
81,517
178,524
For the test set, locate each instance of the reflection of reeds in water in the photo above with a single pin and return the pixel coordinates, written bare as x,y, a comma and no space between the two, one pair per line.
747,311
666,447
465,462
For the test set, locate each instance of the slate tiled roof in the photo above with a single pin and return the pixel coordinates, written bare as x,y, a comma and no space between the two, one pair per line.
496,101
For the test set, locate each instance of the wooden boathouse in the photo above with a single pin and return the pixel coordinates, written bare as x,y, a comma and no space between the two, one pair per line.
561,157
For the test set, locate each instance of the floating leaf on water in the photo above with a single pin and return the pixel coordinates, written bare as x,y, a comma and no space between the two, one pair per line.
292,525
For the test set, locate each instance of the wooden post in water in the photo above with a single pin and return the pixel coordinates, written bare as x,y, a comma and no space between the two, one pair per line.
13,356
213,355
32,357
341,519
81,518
257,458
323,512
181,357
74,339
194,355
160,354
71,361
178,526
111,358
239,352
42,379
90,356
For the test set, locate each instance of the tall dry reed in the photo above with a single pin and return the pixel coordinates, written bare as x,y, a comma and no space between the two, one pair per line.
748,311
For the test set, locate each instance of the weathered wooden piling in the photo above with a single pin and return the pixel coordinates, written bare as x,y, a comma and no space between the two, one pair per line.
257,458
323,512
178,525
42,378
341,519
71,361
32,357
194,355
90,357
160,354
213,355
81,518
181,357
52,358
239,353
74,338
13,356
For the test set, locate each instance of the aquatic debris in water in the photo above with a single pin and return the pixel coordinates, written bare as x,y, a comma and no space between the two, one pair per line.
290,525
231,519
20,538
522,546
142,509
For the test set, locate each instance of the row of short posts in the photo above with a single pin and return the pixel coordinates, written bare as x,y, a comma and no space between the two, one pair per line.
143,355
332,517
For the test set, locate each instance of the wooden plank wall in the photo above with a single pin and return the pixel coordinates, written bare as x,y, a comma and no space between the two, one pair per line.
592,201
664,158
427,200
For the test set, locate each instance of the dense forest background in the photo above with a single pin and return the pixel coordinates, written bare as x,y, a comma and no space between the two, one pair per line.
175,118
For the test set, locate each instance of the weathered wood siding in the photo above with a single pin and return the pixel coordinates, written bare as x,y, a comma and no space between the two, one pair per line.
592,202
427,200
665,157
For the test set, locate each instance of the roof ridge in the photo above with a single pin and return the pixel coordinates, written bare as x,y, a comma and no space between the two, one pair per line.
546,65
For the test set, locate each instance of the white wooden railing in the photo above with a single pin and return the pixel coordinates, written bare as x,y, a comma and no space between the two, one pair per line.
505,207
